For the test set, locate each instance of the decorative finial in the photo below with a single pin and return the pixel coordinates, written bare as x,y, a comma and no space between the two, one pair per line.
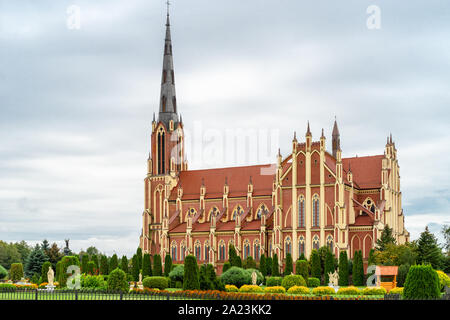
308,131
295,135
203,182
323,134
226,180
250,181
168,4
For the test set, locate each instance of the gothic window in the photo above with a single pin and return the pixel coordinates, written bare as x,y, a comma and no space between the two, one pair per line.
182,250
222,250
301,246
330,244
206,250
246,249
316,211
164,100
287,246
173,78
301,212
316,243
161,151
164,76
256,249
174,251
262,210
369,205
174,102
236,212
198,250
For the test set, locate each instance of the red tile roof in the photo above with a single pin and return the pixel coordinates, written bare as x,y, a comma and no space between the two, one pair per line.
366,170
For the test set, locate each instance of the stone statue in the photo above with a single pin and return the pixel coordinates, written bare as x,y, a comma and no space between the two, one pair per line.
140,277
254,278
50,276
334,278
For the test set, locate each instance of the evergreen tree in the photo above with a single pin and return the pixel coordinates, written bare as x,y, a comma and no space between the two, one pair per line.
44,272
35,261
140,257
323,255
302,257
135,267
124,264
66,262
146,266
84,263
234,259
45,246
91,269
428,250
385,238
167,265
275,267
289,268
113,262
269,263
316,268
157,265
329,266
262,265
343,269
358,269
104,270
191,274
302,269
94,258
203,279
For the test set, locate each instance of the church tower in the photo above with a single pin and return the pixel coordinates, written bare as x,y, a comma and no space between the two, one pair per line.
167,153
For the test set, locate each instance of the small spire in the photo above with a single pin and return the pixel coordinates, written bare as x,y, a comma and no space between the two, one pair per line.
226,180
279,152
153,117
350,166
323,134
295,135
308,131
250,181
203,182
390,138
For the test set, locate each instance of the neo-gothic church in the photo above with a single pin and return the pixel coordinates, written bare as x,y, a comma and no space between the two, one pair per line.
306,199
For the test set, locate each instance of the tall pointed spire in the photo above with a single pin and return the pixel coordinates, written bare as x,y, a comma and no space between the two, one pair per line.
168,101
336,139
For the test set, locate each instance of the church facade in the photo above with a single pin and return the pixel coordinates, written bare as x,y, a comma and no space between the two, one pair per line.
307,199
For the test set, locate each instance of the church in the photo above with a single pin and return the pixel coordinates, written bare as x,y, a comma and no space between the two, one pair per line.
306,199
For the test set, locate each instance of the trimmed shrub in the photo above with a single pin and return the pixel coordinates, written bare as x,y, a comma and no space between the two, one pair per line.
45,267
104,266
316,268
117,281
262,265
124,264
422,282
177,273
7,286
444,280
349,291
288,269
313,282
299,290
259,276
135,269
293,280
66,262
231,288
273,281
35,278
249,263
236,276
226,266
3,272
251,289
156,282
113,262
301,268
191,274
374,291
167,265
269,262
94,282
275,267
402,273
323,291
91,268
84,264
146,266
396,290
276,289
157,265
343,269
328,266
16,271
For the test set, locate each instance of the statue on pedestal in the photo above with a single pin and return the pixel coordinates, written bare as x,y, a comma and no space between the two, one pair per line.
254,278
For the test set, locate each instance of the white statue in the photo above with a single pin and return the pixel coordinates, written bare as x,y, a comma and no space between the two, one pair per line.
254,278
333,279
140,278
50,276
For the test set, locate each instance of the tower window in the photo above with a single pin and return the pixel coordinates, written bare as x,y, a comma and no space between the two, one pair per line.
164,100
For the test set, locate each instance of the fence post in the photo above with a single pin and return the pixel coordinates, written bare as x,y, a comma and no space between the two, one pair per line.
36,294
76,294
168,296
121,294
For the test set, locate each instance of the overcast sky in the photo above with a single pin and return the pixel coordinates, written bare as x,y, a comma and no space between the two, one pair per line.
76,104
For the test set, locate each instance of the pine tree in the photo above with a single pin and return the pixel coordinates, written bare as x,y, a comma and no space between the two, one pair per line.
113,263
262,265
302,257
329,266
289,267
357,273
191,274
84,263
316,268
361,269
167,265
234,259
275,267
140,257
135,267
343,269
124,264
91,269
35,261
104,270
269,263
157,265
146,266
385,238
428,250
45,246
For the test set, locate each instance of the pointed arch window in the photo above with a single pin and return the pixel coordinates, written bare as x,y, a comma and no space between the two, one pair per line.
198,250
301,246
207,250
164,102
301,212
287,246
316,211
182,250
164,76
330,243
256,250
222,250
316,243
174,102
173,78
236,212
174,251
246,249
161,141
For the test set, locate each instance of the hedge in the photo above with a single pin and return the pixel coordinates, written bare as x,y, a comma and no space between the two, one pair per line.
156,282
273,281
299,290
92,281
374,291
275,289
313,282
349,291
293,280
3,272
323,291
117,280
251,289
422,282
301,268
236,276
396,290
231,288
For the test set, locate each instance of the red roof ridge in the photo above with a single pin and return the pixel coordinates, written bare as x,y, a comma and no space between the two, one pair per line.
364,157
221,168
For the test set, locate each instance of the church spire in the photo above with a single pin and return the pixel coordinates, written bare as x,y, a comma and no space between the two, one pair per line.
336,140
168,101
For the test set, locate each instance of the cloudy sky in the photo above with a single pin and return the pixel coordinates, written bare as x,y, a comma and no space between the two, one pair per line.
76,100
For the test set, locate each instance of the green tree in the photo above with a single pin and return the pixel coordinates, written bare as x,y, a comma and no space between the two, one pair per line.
94,258
328,266
302,269
3,272
92,251
66,262
91,269
446,233
249,263
275,267
167,265
35,261
323,255
146,266
428,250
84,263
9,255
316,268
45,246
140,257
54,254
289,268
262,265
302,257
343,269
104,267
16,272
124,264
135,267
23,249
191,274
385,238
113,262
117,281
269,264
358,269
422,282
44,272
157,265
